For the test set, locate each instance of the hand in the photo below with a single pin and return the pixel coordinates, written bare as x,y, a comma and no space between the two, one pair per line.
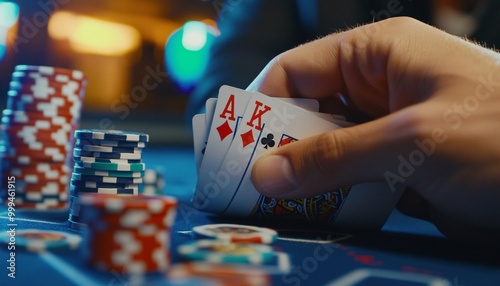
433,104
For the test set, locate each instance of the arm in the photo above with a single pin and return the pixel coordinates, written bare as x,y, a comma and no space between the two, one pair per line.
434,101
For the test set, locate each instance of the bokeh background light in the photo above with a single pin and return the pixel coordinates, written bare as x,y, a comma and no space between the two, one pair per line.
9,14
187,53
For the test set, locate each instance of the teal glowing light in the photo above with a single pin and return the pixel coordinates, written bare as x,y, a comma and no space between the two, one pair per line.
9,12
187,52
3,51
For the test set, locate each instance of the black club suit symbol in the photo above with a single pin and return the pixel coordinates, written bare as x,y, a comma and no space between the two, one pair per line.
268,141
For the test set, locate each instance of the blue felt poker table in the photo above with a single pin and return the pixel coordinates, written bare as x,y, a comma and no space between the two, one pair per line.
405,252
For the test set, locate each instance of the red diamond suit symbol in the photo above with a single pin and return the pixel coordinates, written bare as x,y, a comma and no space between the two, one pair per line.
247,138
224,130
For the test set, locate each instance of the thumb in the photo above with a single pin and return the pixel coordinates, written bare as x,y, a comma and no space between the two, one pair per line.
321,163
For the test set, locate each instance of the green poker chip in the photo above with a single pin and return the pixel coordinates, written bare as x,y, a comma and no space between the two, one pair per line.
218,251
103,173
135,167
39,240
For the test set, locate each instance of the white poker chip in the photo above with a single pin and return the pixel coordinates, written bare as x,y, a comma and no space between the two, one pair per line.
237,233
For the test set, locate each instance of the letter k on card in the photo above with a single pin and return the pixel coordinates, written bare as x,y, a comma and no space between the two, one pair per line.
255,122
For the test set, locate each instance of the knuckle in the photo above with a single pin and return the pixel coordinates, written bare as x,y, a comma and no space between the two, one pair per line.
328,149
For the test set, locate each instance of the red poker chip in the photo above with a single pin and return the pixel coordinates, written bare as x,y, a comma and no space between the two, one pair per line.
33,177
38,144
24,160
124,219
43,187
40,93
54,153
72,93
19,115
57,137
38,124
42,170
41,128
29,97
113,204
69,88
55,134
33,80
220,274
58,77
45,108
51,71
118,250
128,211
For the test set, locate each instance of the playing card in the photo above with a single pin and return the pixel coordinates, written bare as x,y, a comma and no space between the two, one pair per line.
231,105
266,123
209,111
200,134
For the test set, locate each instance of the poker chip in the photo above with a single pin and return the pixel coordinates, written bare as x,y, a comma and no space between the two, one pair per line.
111,143
219,251
113,135
90,184
107,149
51,71
126,234
94,172
42,112
77,191
107,155
154,182
76,177
104,160
237,233
219,274
38,240
136,167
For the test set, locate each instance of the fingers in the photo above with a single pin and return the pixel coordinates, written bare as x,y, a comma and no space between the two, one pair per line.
352,63
319,164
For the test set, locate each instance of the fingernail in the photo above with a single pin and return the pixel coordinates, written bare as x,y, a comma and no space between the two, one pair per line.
273,176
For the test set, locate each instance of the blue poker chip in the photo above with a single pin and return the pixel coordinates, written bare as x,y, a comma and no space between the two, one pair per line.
105,160
109,143
108,149
76,191
105,179
77,152
114,135
40,240
121,174
94,185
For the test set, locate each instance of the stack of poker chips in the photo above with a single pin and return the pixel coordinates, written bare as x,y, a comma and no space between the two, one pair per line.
154,182
130,235
105,162
43,110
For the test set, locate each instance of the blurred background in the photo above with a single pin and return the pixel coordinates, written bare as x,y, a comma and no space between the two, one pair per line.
141,60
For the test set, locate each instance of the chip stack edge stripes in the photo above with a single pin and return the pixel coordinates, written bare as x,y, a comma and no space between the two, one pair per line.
128,235
43,110
106,162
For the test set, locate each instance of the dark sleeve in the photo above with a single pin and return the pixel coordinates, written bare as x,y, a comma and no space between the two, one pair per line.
252,33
